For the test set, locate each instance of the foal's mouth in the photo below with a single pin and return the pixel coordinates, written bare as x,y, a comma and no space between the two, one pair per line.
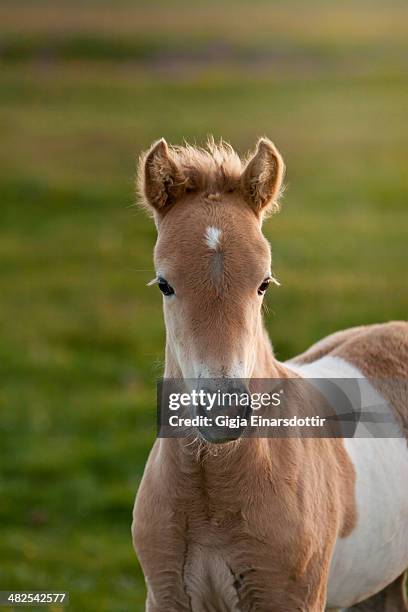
222,434
224,423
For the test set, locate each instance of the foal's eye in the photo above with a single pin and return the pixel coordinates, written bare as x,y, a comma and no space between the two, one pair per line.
264,286
164,287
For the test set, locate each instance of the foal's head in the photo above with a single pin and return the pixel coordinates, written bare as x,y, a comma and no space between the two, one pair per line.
213,264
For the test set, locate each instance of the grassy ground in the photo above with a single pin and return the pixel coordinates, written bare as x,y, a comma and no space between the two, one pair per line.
82,90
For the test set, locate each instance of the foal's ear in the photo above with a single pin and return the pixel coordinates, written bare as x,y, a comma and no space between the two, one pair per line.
261,181
160,180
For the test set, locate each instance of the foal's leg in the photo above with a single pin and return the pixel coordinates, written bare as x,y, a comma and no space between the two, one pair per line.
391,599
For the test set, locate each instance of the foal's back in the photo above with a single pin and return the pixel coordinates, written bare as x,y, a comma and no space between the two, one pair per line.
378,352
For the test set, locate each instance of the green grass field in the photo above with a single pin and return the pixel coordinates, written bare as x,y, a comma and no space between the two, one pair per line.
84,87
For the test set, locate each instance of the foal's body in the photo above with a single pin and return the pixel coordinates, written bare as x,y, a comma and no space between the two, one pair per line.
375,553
260,525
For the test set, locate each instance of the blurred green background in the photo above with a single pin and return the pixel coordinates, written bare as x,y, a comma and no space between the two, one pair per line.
84,87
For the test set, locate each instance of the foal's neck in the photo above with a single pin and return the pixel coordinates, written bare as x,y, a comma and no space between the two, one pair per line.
265,365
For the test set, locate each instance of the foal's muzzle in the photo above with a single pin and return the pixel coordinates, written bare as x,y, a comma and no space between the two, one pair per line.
227,408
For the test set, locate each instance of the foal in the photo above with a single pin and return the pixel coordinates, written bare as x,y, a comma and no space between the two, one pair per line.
259,525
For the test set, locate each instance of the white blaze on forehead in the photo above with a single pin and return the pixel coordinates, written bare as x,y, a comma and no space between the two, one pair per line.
212,237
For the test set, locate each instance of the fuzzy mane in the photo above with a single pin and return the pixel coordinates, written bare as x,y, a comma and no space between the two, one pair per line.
215,167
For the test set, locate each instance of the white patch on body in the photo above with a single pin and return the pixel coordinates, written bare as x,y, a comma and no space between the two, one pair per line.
212,237
376,551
